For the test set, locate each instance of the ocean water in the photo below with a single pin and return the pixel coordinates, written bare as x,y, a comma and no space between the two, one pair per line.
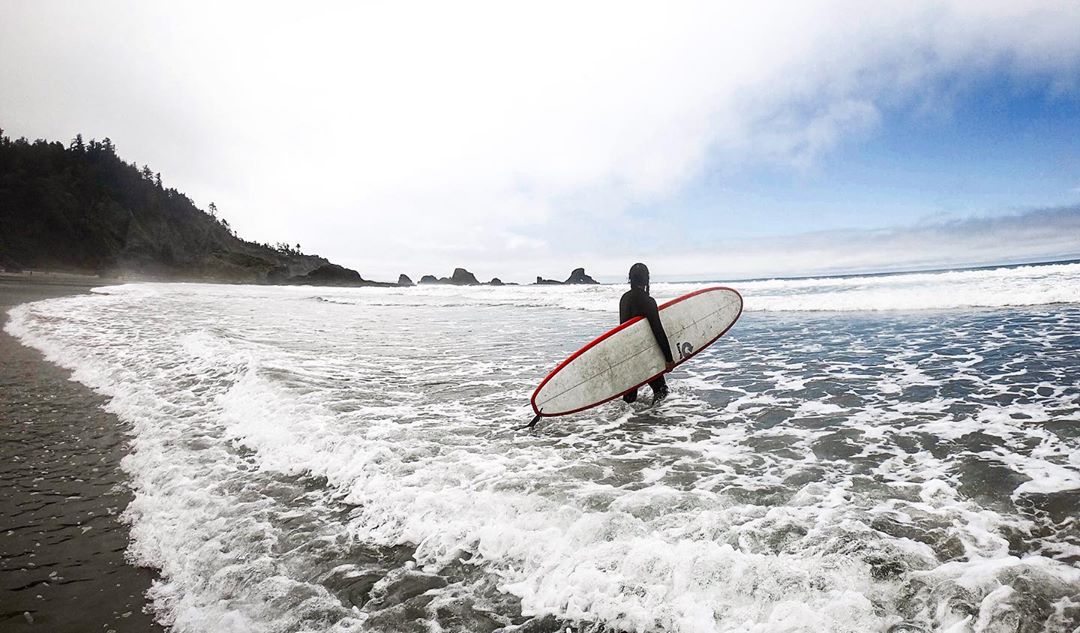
897,453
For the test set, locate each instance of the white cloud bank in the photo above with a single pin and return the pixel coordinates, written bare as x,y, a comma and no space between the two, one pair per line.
1036,235
502,136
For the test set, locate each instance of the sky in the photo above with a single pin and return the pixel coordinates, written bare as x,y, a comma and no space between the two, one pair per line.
709,140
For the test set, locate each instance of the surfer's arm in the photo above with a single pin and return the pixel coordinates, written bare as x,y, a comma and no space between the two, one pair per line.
624,309
653,315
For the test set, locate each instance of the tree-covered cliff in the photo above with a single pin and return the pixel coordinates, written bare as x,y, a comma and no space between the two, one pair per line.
81,208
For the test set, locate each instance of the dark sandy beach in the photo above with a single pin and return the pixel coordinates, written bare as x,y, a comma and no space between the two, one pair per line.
62,565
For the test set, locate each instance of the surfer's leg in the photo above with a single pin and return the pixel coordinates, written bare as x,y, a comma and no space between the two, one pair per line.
630,396
659,389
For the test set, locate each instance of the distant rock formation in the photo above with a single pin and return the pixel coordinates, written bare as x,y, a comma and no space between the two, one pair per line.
334,275
403,280
495,281
462,277
578,276
331,274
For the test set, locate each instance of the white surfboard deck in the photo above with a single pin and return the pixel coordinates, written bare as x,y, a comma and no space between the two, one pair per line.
628,356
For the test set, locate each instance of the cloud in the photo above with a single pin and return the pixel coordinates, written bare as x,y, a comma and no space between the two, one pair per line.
1034,235
420,136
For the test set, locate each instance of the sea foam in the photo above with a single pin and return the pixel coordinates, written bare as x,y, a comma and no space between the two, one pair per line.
350,464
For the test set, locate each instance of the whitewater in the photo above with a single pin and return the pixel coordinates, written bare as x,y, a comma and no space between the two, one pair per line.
876,453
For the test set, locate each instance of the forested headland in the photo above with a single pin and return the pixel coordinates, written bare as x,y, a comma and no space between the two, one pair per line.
81,208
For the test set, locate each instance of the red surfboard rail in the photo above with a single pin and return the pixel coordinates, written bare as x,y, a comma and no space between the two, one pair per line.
616,330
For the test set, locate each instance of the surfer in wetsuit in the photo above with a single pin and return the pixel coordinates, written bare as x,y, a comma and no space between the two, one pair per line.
636,302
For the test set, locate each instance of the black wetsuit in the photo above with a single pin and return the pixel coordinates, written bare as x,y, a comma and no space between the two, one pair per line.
634,303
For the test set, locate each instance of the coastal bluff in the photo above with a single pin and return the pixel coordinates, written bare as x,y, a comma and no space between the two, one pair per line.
81,209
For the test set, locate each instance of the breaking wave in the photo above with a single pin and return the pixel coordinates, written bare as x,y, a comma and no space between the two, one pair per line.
344,459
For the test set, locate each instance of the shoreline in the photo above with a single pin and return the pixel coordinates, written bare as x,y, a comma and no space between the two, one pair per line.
62,543
93,280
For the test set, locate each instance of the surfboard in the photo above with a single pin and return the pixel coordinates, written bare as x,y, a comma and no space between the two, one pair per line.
628,356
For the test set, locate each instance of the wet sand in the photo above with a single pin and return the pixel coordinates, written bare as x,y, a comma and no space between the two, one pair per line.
62,544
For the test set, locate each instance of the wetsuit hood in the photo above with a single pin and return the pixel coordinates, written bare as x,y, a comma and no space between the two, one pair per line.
639,276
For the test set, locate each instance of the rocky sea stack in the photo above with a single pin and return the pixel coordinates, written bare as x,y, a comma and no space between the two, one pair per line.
403,280
461,277
578,276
